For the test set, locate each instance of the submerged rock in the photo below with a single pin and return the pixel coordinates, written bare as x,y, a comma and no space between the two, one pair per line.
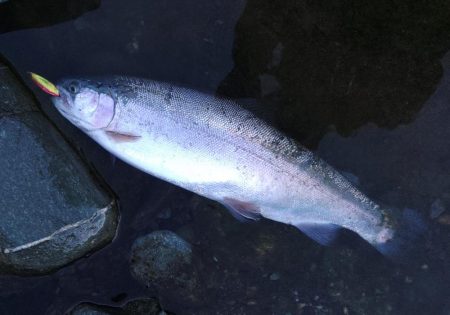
19,14
135,307
52,209
165,261
337,64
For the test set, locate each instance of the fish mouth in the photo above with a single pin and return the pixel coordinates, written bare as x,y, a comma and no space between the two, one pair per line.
61,102
64,96
63,105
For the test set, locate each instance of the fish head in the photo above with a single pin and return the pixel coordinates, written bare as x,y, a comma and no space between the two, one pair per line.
85,103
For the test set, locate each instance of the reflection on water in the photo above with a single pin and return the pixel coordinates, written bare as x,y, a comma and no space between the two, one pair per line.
362,82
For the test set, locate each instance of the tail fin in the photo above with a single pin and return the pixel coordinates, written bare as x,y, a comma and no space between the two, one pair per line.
407,242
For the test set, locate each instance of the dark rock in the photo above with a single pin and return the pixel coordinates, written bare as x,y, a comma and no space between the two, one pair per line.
165,261
19,14
135,307
52,209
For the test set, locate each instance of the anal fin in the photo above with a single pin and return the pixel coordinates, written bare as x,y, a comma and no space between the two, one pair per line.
323,233
242,210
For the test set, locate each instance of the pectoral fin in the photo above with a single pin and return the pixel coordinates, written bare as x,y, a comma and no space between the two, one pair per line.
242,210
122,137
322,233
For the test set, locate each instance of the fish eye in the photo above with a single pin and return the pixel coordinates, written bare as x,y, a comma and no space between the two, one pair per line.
73,87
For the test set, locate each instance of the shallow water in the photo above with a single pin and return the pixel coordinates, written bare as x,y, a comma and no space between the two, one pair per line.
366,87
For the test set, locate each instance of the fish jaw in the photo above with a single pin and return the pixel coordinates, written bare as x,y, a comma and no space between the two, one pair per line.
63,102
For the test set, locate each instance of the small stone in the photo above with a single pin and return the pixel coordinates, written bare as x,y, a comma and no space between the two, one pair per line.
275,276
165,261
437,208
444,219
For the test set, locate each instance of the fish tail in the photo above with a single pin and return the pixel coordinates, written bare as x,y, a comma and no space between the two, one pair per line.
403,240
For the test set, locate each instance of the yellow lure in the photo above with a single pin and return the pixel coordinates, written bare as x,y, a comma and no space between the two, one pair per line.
44,84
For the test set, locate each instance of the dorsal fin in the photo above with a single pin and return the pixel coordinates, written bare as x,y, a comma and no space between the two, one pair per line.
242,210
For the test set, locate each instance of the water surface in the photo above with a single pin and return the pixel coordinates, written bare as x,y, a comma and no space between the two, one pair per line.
365,86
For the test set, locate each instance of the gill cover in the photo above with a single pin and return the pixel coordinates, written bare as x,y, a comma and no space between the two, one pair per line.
84,105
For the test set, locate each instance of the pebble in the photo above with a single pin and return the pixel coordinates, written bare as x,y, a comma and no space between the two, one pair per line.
437,208
275,276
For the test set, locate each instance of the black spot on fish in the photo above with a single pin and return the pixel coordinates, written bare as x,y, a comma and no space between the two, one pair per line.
169,95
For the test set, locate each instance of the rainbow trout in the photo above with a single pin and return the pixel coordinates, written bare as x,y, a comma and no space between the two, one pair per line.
217,149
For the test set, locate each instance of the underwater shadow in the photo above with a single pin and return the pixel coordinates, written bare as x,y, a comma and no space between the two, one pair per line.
340,63
20,14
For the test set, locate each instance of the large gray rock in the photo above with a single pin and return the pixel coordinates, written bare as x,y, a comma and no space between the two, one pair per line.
52,209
